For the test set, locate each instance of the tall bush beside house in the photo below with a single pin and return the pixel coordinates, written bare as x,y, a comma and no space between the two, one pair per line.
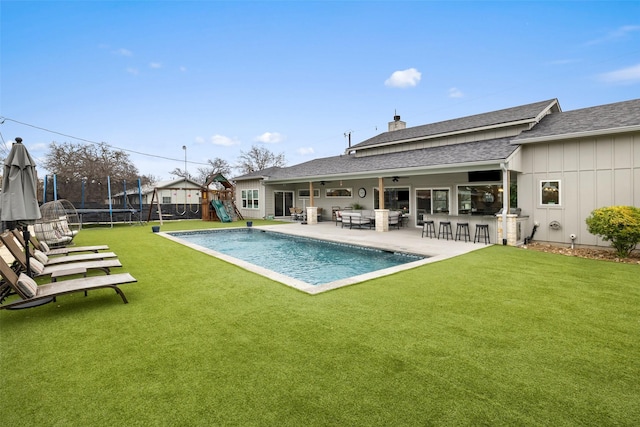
618,224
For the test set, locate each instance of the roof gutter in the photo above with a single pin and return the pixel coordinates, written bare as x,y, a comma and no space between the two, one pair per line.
575,135
428,170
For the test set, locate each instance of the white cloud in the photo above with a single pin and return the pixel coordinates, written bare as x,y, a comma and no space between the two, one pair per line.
133,71
123,52
404,78
224,141
305,151
623,75
616,34
270,138
155,65
454,92
40,146
200,140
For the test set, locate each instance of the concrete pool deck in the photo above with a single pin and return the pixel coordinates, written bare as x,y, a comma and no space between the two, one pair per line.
406,239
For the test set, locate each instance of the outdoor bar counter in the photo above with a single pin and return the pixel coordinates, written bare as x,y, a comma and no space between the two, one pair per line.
493,221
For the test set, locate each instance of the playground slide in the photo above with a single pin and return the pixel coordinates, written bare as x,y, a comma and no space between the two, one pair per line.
221,211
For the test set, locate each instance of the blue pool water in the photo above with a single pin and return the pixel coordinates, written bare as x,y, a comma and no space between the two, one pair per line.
310,260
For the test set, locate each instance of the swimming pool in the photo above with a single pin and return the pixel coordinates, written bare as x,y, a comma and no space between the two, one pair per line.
297,261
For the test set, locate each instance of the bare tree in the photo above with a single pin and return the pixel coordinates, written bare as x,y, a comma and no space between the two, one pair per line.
213,167
83,170
259,158
181,173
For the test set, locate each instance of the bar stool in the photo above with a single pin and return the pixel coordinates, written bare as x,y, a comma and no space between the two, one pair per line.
445,230
462,230
429,228
482,232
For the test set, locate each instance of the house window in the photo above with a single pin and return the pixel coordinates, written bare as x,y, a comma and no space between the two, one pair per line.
342,193
304,193
549,193
441,201
395,199
483,199
250,199
430,201
166,200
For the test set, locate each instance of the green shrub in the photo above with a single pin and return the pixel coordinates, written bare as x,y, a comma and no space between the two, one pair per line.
618,224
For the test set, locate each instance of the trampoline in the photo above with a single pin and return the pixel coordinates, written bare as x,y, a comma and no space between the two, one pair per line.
106,215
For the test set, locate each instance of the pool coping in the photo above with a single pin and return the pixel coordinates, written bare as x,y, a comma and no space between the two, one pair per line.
406,240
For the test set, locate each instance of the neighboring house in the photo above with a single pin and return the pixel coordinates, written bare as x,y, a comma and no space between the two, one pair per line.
176,192
555,167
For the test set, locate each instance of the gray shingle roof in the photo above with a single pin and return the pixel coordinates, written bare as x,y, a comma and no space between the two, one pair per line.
481,151
529,112
602,117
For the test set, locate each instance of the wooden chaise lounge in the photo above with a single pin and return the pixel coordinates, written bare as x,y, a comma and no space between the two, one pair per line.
8,239
39,269
28,290
42,246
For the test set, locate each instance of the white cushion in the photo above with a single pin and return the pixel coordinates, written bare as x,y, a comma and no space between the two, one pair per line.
27,287
41,256
45,247
36,265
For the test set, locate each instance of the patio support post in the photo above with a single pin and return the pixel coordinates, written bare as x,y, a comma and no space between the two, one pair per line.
505,203
382,214
312,211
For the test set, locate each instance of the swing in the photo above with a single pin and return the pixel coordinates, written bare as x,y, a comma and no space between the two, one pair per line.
191,205
175,193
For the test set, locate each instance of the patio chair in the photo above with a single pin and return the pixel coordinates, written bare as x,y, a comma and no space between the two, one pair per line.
29,291
395,219
42,246
294,214
65,269
48,233
65,230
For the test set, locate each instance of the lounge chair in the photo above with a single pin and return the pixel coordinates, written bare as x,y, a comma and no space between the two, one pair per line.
28,290
12,246
39,269
42,246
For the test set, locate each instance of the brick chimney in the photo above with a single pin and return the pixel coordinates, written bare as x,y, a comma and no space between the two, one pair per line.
397,124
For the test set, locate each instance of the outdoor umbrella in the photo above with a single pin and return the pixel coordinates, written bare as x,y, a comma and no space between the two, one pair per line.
19,199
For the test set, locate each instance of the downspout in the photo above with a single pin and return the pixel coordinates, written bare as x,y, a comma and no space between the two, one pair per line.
505,201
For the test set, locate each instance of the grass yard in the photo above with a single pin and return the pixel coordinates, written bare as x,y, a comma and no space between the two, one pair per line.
500,336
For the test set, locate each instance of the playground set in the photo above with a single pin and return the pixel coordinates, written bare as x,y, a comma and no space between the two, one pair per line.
215,205
210,204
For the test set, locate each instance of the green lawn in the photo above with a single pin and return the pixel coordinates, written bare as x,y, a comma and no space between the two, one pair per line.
500,336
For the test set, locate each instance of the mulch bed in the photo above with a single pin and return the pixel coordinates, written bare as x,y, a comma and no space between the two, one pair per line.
603,254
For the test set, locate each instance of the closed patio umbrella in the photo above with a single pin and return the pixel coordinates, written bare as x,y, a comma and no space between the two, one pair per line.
19,200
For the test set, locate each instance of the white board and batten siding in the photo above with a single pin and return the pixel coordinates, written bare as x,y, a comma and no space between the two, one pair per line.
593,173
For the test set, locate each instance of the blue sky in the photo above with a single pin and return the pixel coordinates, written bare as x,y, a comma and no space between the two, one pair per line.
150,77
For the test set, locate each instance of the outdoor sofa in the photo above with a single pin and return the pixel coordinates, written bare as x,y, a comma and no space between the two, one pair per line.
357,218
